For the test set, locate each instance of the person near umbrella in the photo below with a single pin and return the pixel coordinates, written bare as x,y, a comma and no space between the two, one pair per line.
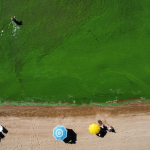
103,129
110,128
100,124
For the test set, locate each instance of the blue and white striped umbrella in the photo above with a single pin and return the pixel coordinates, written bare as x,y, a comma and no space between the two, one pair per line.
60,133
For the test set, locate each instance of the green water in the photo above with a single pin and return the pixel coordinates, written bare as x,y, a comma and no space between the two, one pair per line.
77,52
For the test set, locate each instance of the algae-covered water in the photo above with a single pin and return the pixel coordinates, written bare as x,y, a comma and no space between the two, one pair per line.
74,51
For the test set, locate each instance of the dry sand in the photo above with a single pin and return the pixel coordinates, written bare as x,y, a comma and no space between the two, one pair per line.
31,127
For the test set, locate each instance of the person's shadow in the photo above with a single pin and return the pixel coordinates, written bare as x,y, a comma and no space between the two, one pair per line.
102,132
71,135
4,131
113,130
18,23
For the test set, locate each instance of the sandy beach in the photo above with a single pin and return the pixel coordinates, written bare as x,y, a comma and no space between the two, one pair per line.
31,127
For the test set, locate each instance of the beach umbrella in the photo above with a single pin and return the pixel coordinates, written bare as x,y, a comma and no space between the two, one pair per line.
1,128
60,133
94,128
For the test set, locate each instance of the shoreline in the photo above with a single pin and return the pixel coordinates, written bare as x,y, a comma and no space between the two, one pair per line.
113,103
75,111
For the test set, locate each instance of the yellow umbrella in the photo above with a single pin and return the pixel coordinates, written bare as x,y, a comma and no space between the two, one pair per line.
94,128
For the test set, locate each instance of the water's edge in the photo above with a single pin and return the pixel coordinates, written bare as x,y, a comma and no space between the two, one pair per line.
114,103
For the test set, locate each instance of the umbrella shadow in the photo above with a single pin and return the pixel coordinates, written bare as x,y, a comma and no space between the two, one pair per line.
1,135
71,135
4,131
102,132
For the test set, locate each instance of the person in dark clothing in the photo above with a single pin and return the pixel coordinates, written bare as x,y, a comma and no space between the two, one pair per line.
17,22
13,18
103,131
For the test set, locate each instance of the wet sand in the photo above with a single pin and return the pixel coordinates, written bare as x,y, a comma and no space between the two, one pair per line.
31,127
